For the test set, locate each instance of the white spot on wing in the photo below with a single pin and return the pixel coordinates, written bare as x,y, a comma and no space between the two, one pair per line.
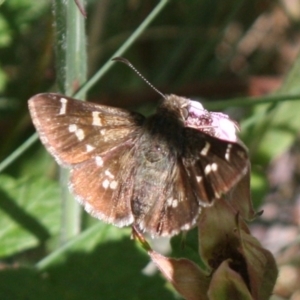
198,178
228,150
108,173
72,127
214,167
96,119
80,134
172,202
78,131
99,161
113,184
105,183
207,169
63,107
205,149
89,148
175,203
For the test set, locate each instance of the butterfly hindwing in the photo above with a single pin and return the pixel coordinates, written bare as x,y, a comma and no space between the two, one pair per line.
176,207
104,184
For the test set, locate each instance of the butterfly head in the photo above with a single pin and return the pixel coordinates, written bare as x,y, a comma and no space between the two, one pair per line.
176,106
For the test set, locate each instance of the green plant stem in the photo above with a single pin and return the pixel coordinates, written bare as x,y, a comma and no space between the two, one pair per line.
18,152
250,101
57,254
71,65
159,7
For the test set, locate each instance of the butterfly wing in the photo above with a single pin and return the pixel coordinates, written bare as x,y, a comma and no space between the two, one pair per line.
104,185
213,166
173,205
96,142
207,168
74,131
163,202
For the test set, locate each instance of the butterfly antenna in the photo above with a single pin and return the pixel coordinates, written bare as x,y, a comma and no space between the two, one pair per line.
129,64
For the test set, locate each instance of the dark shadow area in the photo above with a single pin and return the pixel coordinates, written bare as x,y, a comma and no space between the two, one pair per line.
112,271
20,216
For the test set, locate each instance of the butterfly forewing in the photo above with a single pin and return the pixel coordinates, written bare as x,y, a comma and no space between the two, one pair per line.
73,130
213,166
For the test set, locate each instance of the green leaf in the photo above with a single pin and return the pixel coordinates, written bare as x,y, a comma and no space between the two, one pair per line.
37,163
274,127
29,213
101,263
5,34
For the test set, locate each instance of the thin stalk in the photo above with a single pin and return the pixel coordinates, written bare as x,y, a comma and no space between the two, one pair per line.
58,253
250,101
71,65
18,152
155,12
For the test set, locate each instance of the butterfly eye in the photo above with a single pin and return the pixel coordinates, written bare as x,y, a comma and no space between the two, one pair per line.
184,112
